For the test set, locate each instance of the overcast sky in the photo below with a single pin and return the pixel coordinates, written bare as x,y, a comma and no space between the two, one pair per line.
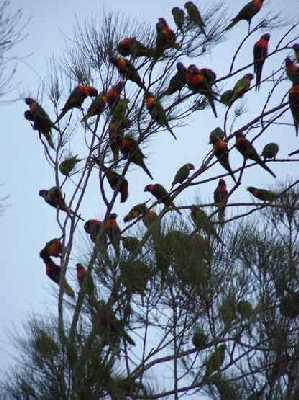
28,223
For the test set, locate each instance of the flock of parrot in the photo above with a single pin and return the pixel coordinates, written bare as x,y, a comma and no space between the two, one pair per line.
198,81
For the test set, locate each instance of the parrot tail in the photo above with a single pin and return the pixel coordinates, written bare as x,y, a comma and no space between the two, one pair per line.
233,23
129,339
124,193
262,164
48,138
221,214
212,104
68,290
258,79
147,171
171,131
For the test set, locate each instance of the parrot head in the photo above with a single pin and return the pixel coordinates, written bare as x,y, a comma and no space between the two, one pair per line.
28,115
162,21
149,100
193,69
251,189
240,137
296,47
29,101
149,188
288,62
180,67
248,77
92,225
43,193
222,183
135,212
188,4
43,255
112,216
126,42
190,166
266,37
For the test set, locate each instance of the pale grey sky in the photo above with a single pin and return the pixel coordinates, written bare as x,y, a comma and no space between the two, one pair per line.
28,223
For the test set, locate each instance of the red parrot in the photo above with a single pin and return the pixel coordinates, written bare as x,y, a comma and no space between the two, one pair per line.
53,272
294,105
222,154
118,182
93,227
221,199
248,151
165,37
127,70
113,94
292,71
55,198
113,231
247,13
53,248
131,47
201,81
161,195
130,149
76,98
260,53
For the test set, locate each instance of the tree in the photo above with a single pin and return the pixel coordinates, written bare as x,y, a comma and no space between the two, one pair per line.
165,289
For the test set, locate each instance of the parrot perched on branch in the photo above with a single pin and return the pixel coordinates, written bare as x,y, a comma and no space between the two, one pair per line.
93,227
53,272
113,93
222,154
53,248
182,174
109,326
217,133
68,164
201,81
55,198
294,105
178,17
127,70
178,81
165,37
221,199
130,149
96,108
119,113
240,88
129,46
195,16
248,151
118,182
161,194
149,218
113,232
115,133
84,278
270,150
157,112
262,194
76,98
260,53
203,222
292,70
296,51
247,13
41,120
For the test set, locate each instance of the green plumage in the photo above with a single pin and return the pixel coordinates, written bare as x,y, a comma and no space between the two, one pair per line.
194,15
263,194
68,164
182,174
216,360
270,150
178,17
203,222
